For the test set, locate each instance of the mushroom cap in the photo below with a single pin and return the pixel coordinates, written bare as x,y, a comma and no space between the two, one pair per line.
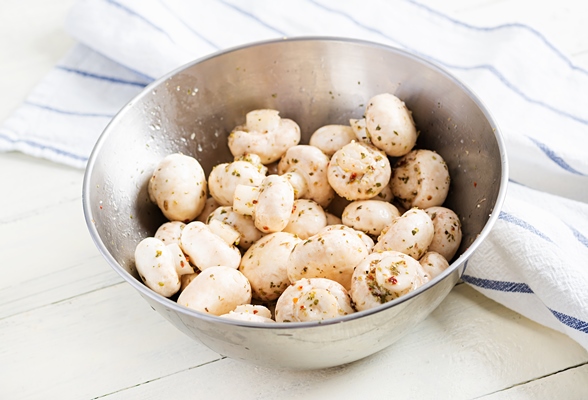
210,205
330,138
358,171
265,134
368,241
251,313
390,125
410,234
332,219
312,164
369,216
382,277
178,186
156,267
224,178
217,290
433,264
170,232
265,265
307,219
205,249
315,299
274,204
420,179
447,236
331,254
242,223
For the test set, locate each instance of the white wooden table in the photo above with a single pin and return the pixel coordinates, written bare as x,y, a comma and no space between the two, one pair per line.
70,328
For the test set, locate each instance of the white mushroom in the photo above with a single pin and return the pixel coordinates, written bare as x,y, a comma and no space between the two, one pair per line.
178,187
410,234
315,299
181,263
368,241
447,237
331,138
170,232
156,267
227,232
205,249
265,265
358,171
210,205
420,179
390,125
383,277
249,234
332,219
359,128
251,313
306,167
217,290
265,134
224,178
433,264
270,204
369,216
186,279
255,160
329,254
385,195
307,219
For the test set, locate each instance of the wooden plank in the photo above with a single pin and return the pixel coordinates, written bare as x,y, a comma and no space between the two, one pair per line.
468,347
90,345
568,384
35,186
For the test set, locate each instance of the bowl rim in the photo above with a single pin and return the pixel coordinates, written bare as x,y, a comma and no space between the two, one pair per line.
146,292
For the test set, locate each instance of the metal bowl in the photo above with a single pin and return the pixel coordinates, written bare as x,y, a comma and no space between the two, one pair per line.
314,81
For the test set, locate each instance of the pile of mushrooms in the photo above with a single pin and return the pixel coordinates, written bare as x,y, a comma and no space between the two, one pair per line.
288,232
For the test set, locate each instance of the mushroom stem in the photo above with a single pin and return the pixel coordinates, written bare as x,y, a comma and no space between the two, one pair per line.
298,182
245,199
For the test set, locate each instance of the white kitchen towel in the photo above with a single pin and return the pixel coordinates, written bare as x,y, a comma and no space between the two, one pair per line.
534,260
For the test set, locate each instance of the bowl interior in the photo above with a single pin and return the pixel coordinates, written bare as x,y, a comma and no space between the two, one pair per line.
312,81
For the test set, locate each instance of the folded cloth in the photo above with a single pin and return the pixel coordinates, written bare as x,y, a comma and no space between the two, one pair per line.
534,260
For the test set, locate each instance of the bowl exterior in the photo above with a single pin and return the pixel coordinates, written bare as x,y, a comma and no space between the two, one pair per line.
314,81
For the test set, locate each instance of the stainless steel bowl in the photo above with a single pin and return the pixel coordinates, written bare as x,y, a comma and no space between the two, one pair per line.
314,81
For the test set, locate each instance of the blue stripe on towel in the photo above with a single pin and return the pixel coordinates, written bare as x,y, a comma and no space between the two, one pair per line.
515,25
490,68
554,157
570,321
142,18
513,287
67,112
43,147
196,33
502,286
100,77
523,224
581,238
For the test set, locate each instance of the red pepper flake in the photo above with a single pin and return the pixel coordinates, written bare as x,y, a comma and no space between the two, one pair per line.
182,263
101,207
255,311
265,228
353,176
393,280
254,201
475,184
